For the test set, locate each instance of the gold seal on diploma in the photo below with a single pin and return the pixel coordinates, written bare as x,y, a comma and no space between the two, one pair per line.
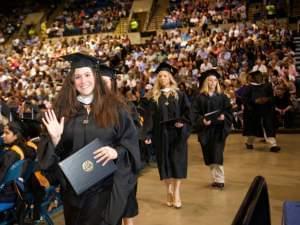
87,166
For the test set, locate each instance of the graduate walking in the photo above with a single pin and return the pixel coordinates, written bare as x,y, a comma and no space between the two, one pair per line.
259,112
212,119
169,129
86,109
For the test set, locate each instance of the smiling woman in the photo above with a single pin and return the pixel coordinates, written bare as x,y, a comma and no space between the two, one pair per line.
85,109
84,81
168,128
212,117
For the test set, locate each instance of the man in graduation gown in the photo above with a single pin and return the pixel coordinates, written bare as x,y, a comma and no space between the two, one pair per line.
259,112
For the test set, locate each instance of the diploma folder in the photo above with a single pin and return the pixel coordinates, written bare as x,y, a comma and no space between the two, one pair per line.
81,168
213,116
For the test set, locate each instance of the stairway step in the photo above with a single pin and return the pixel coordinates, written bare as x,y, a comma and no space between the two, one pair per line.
296,38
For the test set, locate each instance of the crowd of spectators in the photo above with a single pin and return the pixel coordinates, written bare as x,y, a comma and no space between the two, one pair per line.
12,17
88,17
200,13
31,72
9,24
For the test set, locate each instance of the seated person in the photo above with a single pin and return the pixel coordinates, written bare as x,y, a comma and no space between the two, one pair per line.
283,107
15,149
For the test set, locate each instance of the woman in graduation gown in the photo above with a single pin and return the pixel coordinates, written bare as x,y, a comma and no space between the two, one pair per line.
212,118
84,110
169,130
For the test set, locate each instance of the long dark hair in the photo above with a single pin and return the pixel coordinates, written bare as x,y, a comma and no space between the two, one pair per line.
104,108
16,129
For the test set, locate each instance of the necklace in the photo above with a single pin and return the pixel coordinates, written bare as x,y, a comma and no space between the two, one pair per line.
86,120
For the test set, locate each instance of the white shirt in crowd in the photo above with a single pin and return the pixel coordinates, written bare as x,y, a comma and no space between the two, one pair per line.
262,68
205,67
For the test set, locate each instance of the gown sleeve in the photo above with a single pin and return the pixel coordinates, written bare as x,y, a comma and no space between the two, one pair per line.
46,152
127,144
147,129
228,116
48,157
185,109
128,164
197,114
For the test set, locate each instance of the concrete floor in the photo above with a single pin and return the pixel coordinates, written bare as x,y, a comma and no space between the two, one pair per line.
206,206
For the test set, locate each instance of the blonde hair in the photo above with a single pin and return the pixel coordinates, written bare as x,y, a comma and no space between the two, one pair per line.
204,88
156,91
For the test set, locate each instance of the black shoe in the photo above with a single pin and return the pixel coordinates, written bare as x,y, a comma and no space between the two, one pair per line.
248,146
218,185
275,149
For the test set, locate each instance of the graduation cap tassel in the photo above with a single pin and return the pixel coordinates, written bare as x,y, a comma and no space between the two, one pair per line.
10,117
0,112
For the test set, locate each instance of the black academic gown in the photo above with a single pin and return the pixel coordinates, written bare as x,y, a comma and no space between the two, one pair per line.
170,142
131,209
101,204
259,116
212,138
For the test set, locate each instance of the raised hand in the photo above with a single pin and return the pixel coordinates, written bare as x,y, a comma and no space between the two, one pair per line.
54,128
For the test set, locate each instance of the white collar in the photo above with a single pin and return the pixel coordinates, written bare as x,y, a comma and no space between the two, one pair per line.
86,100
165,89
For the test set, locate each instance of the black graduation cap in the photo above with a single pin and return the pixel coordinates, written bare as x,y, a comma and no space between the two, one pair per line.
78,60
26,127
256,76
164,66
6,111
115,60
207,73
31,127
104,70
